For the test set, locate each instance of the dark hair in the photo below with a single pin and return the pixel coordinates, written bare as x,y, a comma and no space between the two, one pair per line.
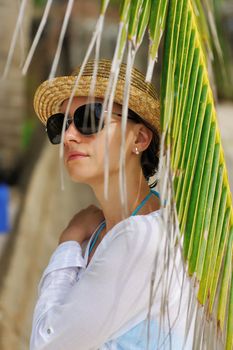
149,157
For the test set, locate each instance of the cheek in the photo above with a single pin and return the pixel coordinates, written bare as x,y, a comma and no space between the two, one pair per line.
110,148
114,148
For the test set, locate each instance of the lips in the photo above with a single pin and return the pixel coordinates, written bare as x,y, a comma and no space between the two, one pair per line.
75,155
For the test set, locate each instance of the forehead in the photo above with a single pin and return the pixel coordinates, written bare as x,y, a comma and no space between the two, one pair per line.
82,100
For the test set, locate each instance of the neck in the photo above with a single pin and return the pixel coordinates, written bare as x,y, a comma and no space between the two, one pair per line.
113,209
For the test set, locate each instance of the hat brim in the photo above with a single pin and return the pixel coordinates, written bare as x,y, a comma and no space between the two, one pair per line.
50,95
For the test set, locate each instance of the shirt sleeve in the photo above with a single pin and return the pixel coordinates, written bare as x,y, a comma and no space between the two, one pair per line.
67,254
84,314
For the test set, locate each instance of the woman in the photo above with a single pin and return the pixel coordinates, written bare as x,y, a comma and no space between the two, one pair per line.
98,297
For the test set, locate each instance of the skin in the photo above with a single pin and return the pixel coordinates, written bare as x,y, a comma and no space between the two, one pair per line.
88,168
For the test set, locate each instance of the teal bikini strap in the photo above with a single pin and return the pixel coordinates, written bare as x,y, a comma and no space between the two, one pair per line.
93,242
156,193
144,201
141,204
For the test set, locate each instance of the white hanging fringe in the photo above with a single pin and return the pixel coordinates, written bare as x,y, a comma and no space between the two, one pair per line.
37,37
108,103
61,38
16,33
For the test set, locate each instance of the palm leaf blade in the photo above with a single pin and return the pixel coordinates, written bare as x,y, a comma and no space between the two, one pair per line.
195,195
226,282
201,207
189,157
202,295
229,340
143,20
201,188
208,214
217,258
156,27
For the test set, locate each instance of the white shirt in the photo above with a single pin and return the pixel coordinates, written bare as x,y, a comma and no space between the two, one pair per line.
104,305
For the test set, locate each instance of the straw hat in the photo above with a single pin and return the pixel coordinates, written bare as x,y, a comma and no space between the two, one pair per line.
143,98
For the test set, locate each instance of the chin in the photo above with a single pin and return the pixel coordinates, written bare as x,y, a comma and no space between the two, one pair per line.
80,177
83,174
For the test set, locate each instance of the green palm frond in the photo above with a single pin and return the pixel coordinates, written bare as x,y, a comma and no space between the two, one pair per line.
200,184
201,188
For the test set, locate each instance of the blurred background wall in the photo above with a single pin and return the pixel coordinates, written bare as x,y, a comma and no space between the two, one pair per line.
34,209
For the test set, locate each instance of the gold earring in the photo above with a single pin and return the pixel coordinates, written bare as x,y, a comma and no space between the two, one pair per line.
136,150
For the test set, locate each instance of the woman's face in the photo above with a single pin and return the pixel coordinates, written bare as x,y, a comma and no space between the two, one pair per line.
84,155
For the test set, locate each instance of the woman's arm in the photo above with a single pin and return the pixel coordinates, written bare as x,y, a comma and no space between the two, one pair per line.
57,280
114,288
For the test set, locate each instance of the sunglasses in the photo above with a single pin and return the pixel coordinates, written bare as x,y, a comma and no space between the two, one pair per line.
86,120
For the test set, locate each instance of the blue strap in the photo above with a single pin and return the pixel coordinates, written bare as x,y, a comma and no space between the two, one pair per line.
144,201
141,204
93,242
156,193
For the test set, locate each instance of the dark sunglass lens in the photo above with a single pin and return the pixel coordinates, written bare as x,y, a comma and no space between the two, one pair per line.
54,128
87,118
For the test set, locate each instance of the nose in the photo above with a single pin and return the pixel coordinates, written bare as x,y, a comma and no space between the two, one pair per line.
71,133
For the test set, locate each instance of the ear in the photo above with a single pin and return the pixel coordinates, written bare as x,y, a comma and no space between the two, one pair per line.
143,137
